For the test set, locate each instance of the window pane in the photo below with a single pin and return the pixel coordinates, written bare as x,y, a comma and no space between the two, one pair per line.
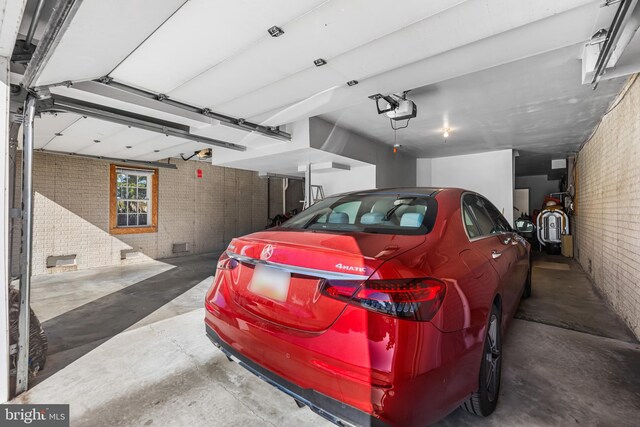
132,180
121,179
142,207
122,220
142,219
476,206
472,230
122,207
142,181
131,193
132,207
375,213
501,224
349,208
133,219
142,193
121,193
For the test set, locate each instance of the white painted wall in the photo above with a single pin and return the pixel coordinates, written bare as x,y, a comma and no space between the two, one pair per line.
360,178
490,174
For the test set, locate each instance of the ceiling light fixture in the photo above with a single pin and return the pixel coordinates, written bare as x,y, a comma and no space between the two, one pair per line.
352,82
319,62
275,31
445,133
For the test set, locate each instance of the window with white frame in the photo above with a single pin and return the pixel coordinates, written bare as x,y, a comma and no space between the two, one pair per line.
133,197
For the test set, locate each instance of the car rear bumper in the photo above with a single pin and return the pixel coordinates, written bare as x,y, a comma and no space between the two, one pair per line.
333,410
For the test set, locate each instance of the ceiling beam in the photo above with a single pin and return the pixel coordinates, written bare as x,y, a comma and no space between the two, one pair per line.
59,103
112,159
109,88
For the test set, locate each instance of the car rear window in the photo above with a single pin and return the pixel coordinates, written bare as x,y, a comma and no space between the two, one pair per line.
369,213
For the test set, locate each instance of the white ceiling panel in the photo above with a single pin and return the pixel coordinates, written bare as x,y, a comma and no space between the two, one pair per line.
310,82
117,142
325,32
47,125
102,34
82,134
464,24
558,31
202,34
152,148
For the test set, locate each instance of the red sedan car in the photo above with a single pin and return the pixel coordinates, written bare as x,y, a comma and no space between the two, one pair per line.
375,308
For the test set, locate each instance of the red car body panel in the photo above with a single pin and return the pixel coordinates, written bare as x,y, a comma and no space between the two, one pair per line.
398,371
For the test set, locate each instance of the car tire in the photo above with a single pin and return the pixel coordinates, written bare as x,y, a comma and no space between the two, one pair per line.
484,401
527,284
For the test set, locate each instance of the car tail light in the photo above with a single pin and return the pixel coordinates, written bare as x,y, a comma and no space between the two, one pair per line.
416,299
226,263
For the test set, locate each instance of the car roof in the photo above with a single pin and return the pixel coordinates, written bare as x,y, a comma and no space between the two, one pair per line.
413,191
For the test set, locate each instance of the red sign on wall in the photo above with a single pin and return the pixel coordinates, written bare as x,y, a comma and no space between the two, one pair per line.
199,173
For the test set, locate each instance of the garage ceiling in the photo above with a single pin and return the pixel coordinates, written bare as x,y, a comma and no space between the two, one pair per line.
500,73
537,104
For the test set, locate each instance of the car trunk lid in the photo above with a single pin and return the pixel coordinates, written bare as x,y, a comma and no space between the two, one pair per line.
281,274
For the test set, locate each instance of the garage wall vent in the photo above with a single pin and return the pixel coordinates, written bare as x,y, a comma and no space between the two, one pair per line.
179,248
129,254
61,260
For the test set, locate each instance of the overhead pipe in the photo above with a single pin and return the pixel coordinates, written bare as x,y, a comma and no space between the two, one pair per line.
113,159
22,371
133,120
243,124
34,24
622,14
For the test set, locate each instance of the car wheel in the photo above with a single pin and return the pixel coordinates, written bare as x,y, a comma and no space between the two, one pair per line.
483,402
527,284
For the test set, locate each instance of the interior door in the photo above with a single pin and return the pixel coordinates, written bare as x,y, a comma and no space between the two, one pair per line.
520,202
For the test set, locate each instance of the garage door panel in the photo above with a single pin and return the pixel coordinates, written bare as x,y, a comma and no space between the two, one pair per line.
113,28
201,34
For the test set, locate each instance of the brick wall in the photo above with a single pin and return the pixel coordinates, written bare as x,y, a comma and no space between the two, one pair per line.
607,220
71,210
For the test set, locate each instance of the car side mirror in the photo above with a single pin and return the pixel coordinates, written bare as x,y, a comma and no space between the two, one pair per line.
524,226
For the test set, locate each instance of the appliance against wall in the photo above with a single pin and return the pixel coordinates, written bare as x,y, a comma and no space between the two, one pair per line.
552,224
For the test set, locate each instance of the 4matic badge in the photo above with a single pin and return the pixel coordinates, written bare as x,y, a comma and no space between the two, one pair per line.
350,268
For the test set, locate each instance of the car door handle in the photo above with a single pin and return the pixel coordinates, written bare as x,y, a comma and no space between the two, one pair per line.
507,240
495,254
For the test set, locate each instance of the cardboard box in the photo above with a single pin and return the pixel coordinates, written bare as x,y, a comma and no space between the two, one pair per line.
567,245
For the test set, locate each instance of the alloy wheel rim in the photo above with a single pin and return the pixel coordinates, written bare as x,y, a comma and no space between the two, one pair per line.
492,356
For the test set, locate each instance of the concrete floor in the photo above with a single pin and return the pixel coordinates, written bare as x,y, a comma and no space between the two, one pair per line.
128,349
